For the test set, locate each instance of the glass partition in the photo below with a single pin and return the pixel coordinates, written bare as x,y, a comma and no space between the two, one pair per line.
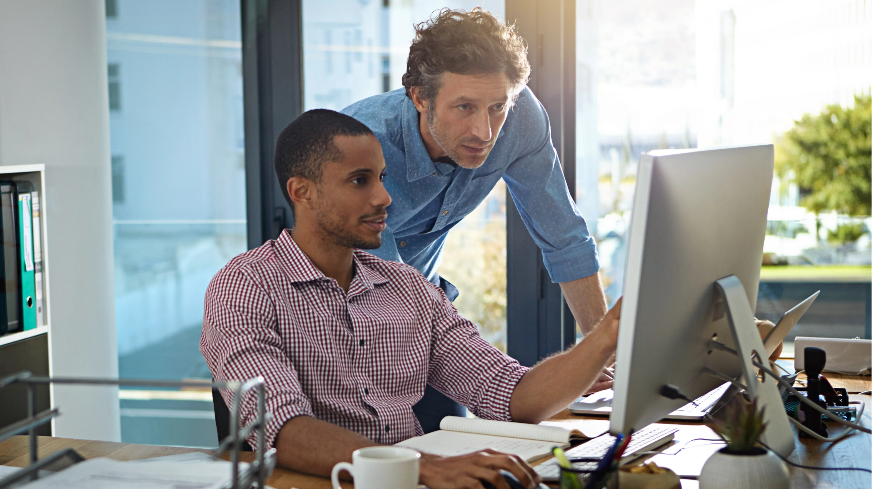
178,182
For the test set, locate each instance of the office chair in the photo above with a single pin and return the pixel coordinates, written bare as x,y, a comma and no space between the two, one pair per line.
433,407
222,419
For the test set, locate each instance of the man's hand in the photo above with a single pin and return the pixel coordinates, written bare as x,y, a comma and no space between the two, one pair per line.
557,381
605,381
468,471
764,327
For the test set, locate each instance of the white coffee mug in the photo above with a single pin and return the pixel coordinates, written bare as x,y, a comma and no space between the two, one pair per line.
380,468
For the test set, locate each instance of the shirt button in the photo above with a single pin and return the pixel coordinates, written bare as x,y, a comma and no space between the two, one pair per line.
362,342
366,390
387,428
434,173
402,244
444,213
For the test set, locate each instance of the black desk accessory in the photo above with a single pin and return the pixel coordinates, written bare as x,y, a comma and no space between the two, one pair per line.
815,361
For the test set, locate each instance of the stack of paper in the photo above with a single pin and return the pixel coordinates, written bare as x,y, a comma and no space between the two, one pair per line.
179,472
459,436
6,471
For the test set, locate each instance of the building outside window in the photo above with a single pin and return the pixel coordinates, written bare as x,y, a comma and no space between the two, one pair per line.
179,199
114,77
111,9
117,179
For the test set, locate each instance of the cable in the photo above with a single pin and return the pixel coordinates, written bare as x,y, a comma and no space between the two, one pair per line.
809,466
816,436
838,437
809,402
669,391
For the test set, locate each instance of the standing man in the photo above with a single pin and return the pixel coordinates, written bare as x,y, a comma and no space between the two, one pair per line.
464,120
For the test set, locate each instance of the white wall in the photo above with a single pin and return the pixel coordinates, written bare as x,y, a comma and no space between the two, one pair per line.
54,110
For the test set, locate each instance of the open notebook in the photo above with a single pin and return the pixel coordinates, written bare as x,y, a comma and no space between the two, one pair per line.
459,436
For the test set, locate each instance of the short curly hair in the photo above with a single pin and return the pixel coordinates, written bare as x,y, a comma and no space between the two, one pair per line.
465,43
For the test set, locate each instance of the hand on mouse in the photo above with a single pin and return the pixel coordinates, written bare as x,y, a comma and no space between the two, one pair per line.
473,470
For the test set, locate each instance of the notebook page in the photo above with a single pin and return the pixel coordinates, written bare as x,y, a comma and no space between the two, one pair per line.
453,443
589,427
551,434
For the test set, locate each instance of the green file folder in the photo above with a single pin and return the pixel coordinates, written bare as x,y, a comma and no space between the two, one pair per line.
28,281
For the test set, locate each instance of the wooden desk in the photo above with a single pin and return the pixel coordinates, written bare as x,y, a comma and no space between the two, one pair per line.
14,452
854,451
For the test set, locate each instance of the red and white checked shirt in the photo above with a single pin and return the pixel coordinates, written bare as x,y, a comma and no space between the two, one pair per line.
360,359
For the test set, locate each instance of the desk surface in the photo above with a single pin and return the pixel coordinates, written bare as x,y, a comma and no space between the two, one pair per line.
854,451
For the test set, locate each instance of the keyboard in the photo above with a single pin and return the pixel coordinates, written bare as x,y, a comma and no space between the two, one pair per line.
704,402
600,403
649,437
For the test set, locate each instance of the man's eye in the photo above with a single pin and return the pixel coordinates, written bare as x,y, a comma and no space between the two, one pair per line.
358,181
463,106
381,178
499,107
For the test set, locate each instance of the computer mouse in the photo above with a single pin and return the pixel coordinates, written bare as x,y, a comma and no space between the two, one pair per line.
511,480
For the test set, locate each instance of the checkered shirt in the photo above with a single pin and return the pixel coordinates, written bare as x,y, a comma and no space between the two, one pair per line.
360,359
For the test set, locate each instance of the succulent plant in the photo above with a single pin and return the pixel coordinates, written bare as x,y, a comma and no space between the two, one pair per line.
741,426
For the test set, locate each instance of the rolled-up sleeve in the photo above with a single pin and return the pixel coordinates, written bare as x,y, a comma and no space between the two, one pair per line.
240,341
538,187
468,369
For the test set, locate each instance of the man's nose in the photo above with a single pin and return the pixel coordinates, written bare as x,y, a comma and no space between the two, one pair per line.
481,126
382,197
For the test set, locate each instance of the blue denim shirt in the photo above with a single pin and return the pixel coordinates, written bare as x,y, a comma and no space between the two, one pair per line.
429,198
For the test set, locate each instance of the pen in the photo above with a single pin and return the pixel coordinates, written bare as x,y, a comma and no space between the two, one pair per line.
604,465
564,462
621,449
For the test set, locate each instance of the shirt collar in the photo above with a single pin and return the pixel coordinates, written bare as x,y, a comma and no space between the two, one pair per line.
418,162
366,274
301,269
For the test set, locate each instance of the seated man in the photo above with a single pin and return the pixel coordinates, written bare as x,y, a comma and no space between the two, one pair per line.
347,342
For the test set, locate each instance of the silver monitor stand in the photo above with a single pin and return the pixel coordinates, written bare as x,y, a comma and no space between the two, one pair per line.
778,434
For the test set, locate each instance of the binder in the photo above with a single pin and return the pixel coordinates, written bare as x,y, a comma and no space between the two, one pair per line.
10,290
28,279
37,259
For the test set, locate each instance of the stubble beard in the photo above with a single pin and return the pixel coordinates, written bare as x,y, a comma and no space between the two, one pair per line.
442,140
332,222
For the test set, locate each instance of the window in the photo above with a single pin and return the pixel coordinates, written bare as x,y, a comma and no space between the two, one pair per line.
114,87
182,182
474,256
386,74
111,9
706,74
117,179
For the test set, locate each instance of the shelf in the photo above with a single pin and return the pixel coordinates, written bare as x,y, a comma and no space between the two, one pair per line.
22,335
7,169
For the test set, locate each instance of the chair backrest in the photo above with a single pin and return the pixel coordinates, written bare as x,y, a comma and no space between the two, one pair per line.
222,419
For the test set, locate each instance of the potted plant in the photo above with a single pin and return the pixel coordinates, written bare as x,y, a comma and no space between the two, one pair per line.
743,464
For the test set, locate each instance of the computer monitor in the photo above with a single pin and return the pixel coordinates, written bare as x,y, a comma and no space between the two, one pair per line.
698,216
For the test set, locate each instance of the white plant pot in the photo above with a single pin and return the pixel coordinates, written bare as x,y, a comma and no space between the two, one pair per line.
727,471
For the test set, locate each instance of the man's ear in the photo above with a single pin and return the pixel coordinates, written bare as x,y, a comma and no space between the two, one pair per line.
420,104
301,190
